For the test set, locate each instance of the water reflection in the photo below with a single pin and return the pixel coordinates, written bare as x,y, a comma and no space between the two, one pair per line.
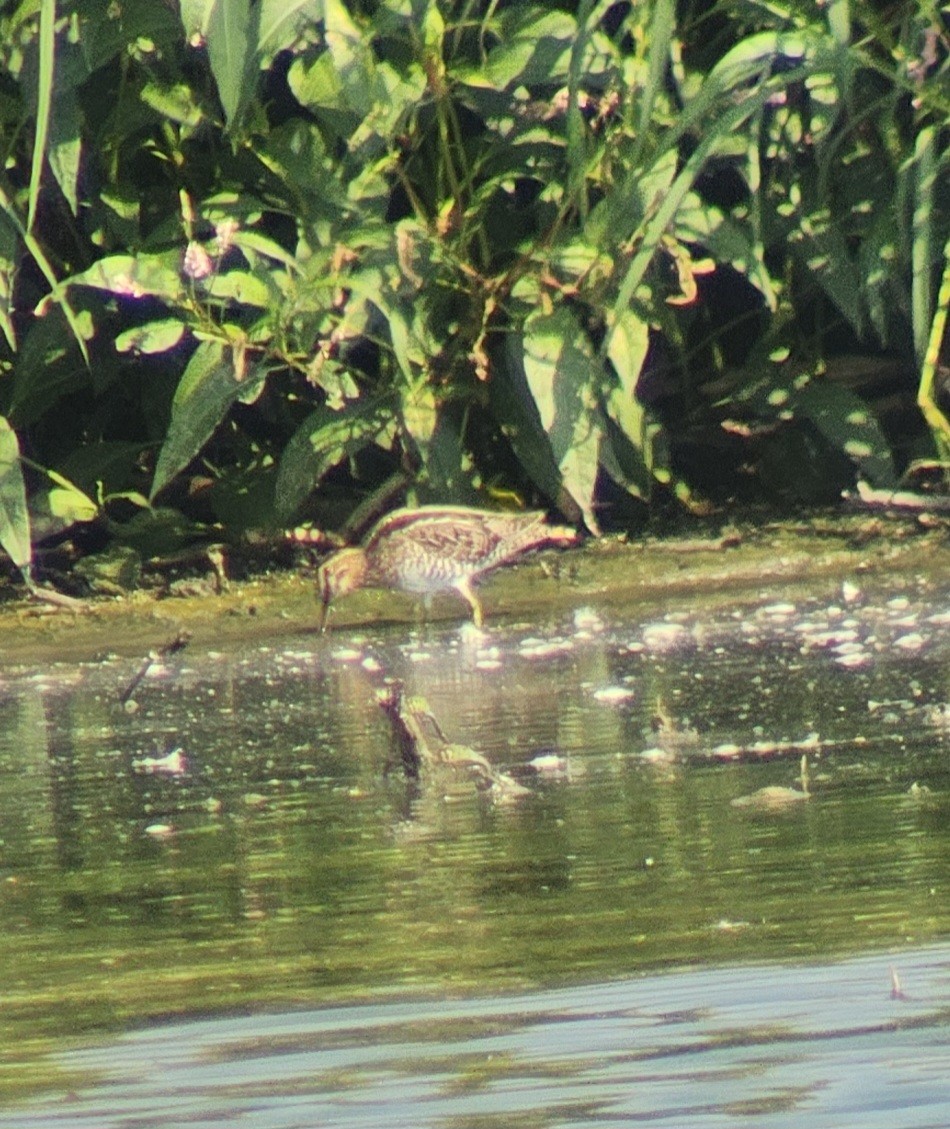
285,858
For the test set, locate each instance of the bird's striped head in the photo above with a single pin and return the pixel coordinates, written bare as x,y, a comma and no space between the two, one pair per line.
343,572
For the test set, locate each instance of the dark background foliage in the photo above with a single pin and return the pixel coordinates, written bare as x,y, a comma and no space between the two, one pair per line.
263,262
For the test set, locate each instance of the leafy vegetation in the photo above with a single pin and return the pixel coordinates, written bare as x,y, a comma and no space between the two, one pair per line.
262,260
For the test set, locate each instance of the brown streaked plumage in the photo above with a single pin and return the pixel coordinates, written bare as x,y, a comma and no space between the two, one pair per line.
436,549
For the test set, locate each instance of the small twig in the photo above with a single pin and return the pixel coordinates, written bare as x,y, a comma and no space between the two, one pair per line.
172,647
57,599
897,499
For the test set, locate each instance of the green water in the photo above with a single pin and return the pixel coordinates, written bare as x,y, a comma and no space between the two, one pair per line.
291,862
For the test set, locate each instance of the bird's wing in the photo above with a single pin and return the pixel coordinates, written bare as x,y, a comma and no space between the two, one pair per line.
448,537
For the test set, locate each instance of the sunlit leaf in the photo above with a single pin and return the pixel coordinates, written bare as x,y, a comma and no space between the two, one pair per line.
68,503
631,453
134,276
66,121
521,420
536,49
152,337
46,47
281,22
8,262
848,424
417,410
205,394
177,103
360,96
254,243
231,55
241,286
562,374
195,17
925,245
14,516
341,83
728,241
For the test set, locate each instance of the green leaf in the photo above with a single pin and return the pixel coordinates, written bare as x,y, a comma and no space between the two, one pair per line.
44,102
727,241
60,506
340,84
827,258
563,376
14,516
418,411
282,21
537,49
48,368
8,261
520,419
631,461
241,286
109,34
203,398
102,470
321,442
231,42
77,325
253,243
152,337
177,103
849,425
66,70
134,276
195,17
296,155
925,248
360,97
65,151
447,465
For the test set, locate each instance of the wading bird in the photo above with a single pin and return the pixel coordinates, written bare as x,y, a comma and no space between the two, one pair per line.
436,549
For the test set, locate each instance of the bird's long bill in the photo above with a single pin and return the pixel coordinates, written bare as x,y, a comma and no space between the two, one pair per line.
324,610
323,583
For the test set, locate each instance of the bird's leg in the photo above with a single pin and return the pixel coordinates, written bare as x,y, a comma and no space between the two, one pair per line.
464,589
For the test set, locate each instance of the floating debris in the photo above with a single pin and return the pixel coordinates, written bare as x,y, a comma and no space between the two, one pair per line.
778,611
587,622
774,797
553,766
611,695
544,648
663,637
657,755
173,763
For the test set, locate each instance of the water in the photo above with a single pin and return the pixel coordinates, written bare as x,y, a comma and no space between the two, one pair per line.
280,859
828,1043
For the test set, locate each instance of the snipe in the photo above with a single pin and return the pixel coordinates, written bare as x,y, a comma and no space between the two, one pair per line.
436,549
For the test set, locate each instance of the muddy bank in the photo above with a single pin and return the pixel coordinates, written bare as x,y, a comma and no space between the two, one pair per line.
654,574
